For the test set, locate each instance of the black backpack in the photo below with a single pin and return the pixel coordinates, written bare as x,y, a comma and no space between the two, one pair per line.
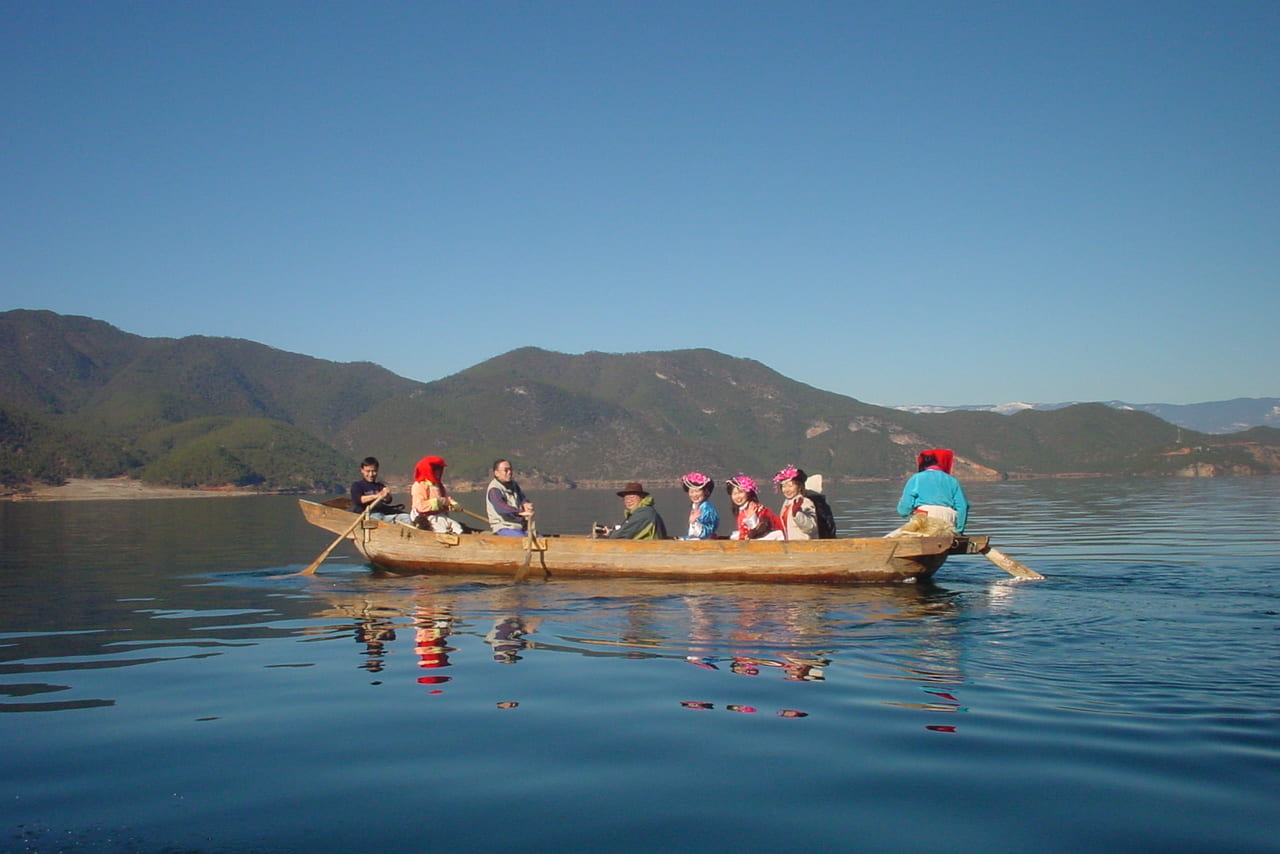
826,519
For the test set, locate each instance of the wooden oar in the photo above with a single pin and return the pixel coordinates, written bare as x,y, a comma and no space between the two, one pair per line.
315,564
475,516
530,539
1009,565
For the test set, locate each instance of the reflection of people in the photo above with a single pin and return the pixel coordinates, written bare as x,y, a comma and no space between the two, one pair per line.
799,514
934,493
368,490
431,501
430,639
703,706
507,639
508,509
703,518
799,670
642,521
374,634
754,519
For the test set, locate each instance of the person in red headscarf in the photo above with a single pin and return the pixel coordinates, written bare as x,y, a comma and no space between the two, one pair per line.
431,501
934,492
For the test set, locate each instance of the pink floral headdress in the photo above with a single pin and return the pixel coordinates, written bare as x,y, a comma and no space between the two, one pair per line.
743,482
788,473
697,480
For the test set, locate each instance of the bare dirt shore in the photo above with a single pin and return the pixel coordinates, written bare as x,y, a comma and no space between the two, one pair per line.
83,489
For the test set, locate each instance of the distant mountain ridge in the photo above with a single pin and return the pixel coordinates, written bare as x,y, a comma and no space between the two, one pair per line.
80,398
1219,416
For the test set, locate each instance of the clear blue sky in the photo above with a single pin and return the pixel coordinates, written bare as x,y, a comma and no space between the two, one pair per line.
905,202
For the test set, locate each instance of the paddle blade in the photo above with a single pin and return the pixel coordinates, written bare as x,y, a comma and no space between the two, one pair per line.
1009,565
311,570
522,572
530,543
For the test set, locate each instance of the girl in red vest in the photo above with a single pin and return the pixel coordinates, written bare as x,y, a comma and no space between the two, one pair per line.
754,519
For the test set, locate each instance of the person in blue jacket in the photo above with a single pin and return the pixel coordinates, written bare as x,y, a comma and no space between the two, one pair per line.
934,492
703,518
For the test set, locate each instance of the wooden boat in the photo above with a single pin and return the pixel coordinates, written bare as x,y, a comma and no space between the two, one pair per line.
403,549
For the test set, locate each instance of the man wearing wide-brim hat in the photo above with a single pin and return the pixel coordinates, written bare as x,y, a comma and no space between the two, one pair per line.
641,521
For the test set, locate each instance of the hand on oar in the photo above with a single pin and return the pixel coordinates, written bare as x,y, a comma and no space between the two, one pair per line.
315,564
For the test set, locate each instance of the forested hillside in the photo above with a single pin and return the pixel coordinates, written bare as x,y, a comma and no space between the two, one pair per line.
80,398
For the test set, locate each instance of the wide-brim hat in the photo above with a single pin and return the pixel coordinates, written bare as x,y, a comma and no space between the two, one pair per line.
632,488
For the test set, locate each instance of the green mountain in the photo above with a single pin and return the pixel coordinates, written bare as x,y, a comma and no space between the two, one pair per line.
241,452
79,397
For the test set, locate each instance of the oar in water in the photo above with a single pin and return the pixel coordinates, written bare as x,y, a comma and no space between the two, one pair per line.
315,564
1009,565
530,540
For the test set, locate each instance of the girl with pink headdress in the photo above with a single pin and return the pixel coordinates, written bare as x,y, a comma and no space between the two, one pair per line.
755,521
799,514
431,501
703,518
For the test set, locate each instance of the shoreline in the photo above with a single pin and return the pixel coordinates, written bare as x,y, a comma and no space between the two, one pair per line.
123,488
118,488
126,489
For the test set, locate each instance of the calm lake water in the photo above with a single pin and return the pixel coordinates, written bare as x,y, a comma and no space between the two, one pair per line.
164,690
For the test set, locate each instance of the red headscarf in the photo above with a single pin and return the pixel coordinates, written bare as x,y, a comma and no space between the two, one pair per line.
944,457
429,469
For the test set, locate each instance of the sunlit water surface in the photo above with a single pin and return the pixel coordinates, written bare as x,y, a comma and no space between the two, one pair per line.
165,690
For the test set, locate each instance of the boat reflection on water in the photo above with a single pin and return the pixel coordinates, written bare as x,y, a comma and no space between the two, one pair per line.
803,634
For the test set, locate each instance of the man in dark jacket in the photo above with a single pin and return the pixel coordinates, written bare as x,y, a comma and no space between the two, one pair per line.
642,521
368,490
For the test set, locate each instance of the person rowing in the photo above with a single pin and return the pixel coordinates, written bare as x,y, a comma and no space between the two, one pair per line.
431,501
934,493
508,509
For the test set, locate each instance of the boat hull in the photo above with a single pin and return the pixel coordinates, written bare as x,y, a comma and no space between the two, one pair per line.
402,549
